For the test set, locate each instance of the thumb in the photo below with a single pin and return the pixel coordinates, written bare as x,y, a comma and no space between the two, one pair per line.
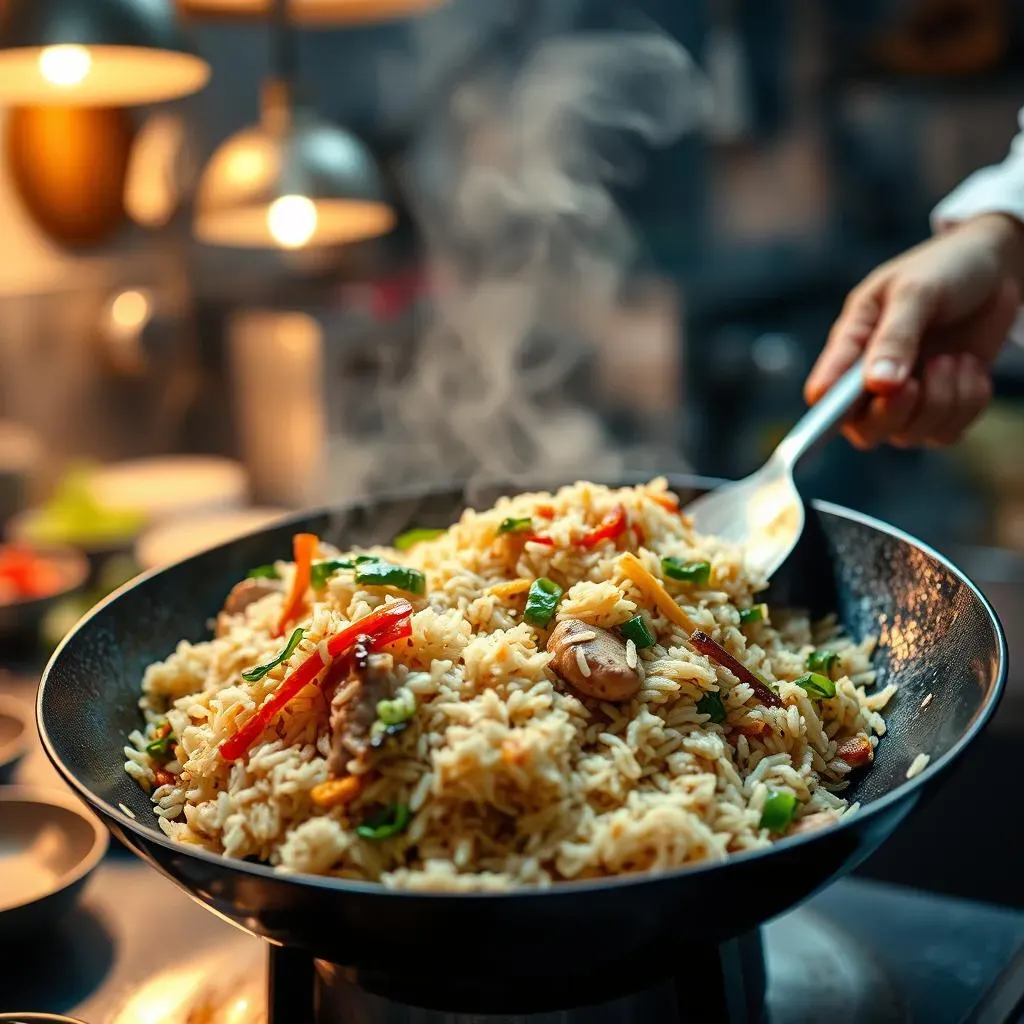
895,344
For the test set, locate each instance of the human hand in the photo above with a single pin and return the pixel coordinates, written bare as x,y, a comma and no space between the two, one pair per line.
930,323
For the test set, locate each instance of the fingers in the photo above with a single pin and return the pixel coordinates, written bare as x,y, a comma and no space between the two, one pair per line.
846,340
885,416
973,394
896,341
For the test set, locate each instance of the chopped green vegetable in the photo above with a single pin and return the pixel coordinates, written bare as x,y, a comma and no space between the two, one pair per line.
541,602
522,524
255,674
688,572
711,704
817,685
822,661
321,572
383,574
264,572
389,823
401,709
381,733
637,630
406,540
748,616
160,745
778,811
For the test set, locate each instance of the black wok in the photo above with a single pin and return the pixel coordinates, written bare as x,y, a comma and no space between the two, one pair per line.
577,942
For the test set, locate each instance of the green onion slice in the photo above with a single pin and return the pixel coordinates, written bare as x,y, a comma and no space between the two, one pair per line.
401,709
264,572
160,745
711,704
817,685
822,661
688,572
390,822
255,674
406,540
384,574
748,616
515,524
321,572
541,602
637,630
778,811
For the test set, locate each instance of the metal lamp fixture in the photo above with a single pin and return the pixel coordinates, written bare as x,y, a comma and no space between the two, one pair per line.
95,53
323,12
293,180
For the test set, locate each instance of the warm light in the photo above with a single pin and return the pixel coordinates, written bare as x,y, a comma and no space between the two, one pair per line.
129,311
292,221
65,66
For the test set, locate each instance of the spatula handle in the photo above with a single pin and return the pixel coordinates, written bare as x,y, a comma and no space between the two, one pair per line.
824,416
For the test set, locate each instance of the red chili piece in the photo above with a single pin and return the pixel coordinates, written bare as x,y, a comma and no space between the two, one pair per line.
611,527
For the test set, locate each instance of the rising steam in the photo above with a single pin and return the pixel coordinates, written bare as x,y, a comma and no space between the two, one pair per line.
511,188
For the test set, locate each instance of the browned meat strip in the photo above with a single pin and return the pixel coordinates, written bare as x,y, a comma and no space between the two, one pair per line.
242,595
608,674
354,706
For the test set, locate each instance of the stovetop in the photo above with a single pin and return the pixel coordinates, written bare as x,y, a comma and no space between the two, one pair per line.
137,950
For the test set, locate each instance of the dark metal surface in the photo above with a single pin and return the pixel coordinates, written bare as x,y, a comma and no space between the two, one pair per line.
939,636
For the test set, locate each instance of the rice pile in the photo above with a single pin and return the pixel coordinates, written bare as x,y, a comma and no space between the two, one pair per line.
510,776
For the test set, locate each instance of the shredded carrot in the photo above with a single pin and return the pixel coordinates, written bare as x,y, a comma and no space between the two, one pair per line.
651,587
669,502
513,588
305,546
337,792
545,511
513,754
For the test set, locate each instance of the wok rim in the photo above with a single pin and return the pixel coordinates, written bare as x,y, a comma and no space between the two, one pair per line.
152,835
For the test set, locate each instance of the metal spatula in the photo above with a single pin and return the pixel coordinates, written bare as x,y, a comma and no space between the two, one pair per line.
764,511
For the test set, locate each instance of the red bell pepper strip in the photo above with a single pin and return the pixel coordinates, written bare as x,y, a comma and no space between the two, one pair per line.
611,527
700,641
305,546
383,626
539,538
856,751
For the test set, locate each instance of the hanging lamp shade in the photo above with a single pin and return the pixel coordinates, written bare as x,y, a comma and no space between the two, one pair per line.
95,53
292,181
312,12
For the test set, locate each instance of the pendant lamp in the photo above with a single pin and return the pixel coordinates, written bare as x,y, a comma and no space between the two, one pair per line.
95,53
293,180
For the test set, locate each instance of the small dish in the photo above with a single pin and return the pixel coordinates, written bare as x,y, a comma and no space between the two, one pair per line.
15,735
49,845
22,615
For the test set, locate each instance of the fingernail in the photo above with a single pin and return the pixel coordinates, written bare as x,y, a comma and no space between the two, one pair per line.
885,371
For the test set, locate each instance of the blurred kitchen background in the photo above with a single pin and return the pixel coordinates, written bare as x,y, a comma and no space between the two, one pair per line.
449,286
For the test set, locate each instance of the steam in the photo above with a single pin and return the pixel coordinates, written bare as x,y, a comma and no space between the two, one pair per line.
511,185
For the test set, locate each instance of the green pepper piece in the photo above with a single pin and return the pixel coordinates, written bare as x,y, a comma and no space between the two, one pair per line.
401,709
817,685
255,674
637,630
406,540
711,704
758,613
778,811
389,823
264,572
687,572
384,574
541,602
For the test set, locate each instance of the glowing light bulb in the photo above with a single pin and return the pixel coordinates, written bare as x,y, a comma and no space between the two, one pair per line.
130,311
292,221
65,66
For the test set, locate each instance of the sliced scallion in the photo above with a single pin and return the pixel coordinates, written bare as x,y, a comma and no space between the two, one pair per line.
687,572
406,540
390,822
817,685
255,674
758,613
711,705
401,709
541,602
822,661
637,630
264,572
515,524
321,572
778,811
384,574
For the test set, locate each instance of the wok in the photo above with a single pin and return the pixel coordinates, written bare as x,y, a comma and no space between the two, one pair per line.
577,942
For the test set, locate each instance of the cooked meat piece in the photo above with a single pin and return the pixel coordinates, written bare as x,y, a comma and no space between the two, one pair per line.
594,661
813,822
354,706
242,595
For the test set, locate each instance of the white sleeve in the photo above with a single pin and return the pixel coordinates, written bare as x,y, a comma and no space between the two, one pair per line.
997,189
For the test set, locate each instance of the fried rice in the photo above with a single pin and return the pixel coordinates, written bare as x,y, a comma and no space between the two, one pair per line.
505,774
